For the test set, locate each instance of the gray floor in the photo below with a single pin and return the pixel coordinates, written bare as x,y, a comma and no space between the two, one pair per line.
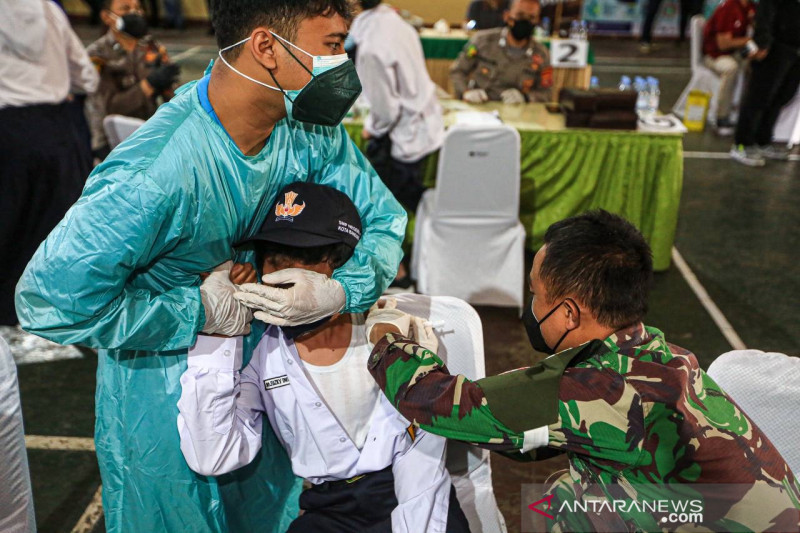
739,231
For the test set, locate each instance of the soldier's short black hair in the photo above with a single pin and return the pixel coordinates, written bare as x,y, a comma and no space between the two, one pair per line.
602,261
234,20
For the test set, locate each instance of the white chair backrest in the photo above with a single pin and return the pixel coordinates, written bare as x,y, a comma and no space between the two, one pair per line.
696,26
461,348
478,174
767,387
118,128
461,337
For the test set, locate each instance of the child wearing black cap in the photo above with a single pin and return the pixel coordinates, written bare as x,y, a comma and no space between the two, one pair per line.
369,470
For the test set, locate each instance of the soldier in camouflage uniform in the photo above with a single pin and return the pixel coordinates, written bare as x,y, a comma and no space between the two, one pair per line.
495,65
637,416
134,68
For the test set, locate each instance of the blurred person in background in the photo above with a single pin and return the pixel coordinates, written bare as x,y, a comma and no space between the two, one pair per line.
135,70
725,38
486,14
44,160
505,64
774,79
689,8
405,123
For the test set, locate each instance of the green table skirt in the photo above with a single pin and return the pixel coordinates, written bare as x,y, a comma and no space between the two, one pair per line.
450,47
565,173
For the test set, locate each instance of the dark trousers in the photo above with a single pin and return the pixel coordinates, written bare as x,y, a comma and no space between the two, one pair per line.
403,179
364,505
773,83
43,167
689,8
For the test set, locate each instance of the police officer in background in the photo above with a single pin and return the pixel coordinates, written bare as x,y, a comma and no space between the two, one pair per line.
774,79
134,70
505,64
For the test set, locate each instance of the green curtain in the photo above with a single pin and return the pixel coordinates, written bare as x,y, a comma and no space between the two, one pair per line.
564,173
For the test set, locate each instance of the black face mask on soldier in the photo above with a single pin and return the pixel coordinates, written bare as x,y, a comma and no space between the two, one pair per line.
133,24
522,29
533,327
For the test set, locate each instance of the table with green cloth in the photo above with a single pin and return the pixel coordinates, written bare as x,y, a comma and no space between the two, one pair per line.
565,172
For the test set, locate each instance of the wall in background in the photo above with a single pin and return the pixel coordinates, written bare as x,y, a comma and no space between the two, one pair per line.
431,11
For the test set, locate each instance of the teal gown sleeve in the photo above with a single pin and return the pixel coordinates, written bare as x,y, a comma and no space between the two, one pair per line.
374,264
76,289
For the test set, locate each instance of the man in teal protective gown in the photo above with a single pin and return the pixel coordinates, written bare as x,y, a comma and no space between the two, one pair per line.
121,272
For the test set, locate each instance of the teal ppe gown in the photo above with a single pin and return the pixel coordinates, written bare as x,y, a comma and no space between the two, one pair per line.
121,273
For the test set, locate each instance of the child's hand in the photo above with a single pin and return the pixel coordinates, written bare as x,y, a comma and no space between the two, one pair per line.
243,273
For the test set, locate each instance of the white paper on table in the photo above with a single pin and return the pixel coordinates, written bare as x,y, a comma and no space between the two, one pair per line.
661,124
478,118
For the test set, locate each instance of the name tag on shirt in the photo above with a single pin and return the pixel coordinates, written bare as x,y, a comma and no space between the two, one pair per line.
274,383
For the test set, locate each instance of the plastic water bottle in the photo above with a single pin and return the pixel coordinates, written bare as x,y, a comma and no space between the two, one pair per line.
546,27
574,30
643,99
624,83
583,31
594,83
654,95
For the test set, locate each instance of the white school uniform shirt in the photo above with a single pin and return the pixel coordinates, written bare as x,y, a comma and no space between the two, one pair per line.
221,413
403,102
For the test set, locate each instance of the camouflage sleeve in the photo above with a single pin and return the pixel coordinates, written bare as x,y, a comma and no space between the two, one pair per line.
418,384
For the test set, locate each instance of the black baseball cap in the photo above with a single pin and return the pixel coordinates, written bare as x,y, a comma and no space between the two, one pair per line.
306,215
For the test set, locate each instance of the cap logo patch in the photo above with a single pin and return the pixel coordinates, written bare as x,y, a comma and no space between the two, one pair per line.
288,210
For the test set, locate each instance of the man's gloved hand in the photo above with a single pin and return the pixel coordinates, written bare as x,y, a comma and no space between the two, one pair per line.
475,96
311,297
422,333
512,96
385,313
224,314
164,77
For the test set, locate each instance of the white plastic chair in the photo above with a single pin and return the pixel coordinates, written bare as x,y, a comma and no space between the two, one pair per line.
16,498
767,387
787,129
461,348
468,240
703,78
119,127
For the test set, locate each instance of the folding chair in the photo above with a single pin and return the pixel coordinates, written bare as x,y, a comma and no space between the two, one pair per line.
118,128
461,348
767,387
468,240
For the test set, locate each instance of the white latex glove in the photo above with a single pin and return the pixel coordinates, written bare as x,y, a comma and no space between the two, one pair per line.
224,314
475,96
311,297
512,96
385,312
422,334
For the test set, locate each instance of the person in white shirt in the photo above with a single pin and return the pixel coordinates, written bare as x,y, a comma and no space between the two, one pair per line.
405,122
44,152
369,469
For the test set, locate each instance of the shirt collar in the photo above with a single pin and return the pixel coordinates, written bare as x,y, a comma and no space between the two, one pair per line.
628,338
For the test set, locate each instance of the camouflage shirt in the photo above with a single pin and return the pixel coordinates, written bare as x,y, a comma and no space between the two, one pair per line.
632,410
